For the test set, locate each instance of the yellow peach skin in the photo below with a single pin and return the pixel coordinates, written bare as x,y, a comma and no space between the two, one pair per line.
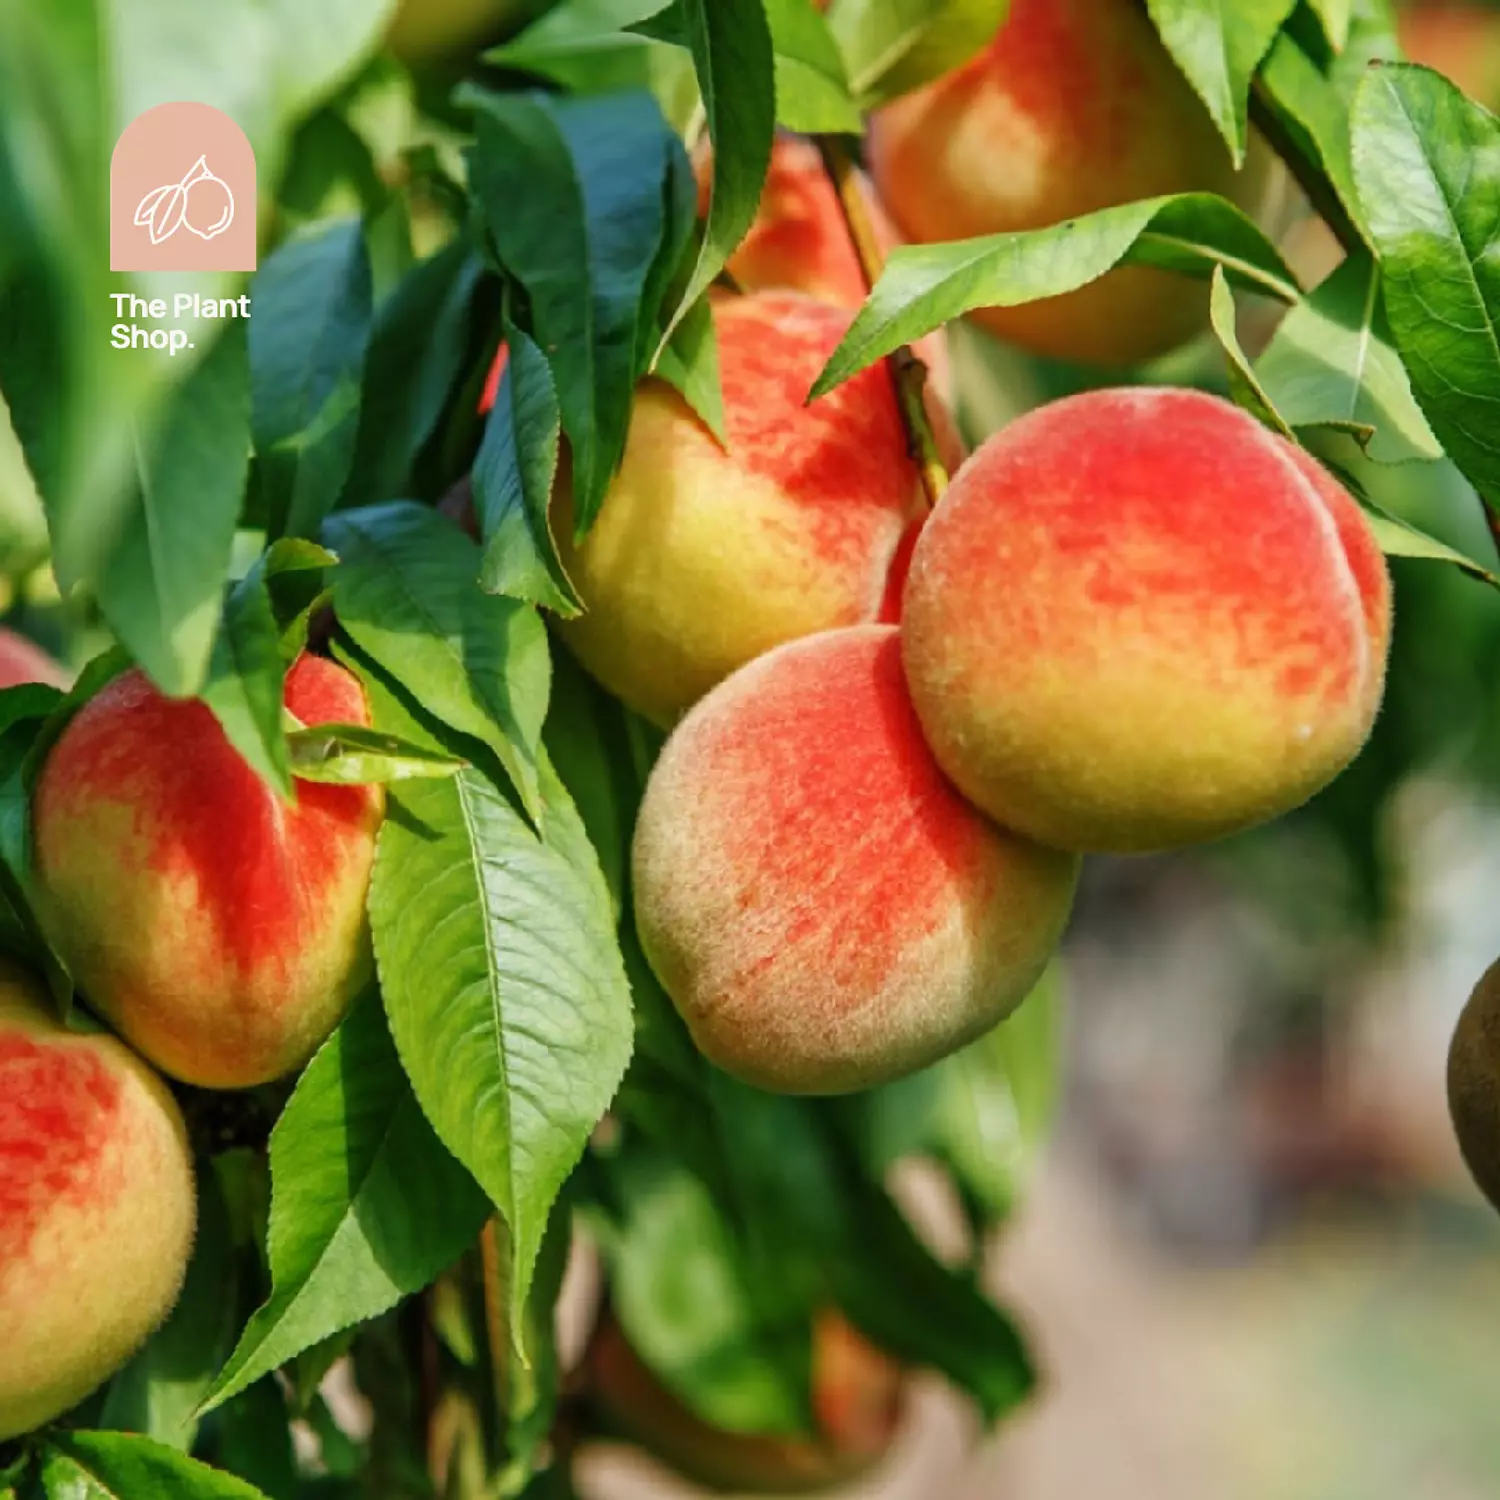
701,558
1075,107
1139,619
97,1208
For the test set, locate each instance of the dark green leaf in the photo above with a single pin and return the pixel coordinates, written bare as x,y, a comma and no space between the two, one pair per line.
735,62
313,305
407,591
117,1466
924,286
160,585
513,478
367,1206
1427,167
690,364
413,362
503,982
245,678
1219,44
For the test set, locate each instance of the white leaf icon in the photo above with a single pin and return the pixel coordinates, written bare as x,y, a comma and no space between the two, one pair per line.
164,210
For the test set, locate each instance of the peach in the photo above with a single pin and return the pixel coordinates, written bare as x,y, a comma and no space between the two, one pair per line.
97,1208
1139,619
857,1405
702,559
24,661
1076,106
1461,41
221,931
1474,1084
825,911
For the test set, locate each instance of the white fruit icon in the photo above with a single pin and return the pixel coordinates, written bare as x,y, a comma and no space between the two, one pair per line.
165,210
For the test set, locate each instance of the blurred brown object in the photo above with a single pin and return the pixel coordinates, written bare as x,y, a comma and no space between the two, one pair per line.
1462,41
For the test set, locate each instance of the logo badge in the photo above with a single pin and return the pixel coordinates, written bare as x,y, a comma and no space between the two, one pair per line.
182,193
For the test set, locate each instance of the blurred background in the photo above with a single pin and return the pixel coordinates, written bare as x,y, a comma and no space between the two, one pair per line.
1250,1259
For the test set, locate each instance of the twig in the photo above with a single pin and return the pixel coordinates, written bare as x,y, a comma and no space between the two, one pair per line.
1313,182
494,1319
907,371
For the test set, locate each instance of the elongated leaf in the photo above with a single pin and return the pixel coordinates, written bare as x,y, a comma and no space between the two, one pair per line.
313,307
407,591
1244,386
367,1205
119,1466
1331,363
689,363
160,585
894,46
1335,16
1427,168
513,477
1219,44
352,755
413,361
503,982
812,88
924,286
735,62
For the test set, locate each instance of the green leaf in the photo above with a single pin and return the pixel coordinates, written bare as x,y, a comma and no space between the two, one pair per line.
513,476
313,307
118,1466
735,63
924,286
1400,538
893,46
694,1310
593,173
1219,44
812,88
413,362
503,982
1331,363
158,1392
689,363
246,674
1335,16
1427,167
367,1206
160,585
407,591
351,755
1244,386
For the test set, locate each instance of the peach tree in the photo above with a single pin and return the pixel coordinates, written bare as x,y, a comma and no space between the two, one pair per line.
395,541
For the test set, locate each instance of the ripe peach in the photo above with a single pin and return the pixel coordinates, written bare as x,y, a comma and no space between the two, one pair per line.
219,930
1461,41
97,1208
857,1404
1076,106
1474,1084
825,911
702,559
22,661
1139,619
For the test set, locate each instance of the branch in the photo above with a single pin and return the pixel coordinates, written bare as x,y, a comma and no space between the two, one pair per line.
907,371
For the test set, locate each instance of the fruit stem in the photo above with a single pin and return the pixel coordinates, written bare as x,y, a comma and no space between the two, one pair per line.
907,371
1310,177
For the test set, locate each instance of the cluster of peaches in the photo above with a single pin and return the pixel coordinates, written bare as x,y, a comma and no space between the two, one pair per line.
1135,619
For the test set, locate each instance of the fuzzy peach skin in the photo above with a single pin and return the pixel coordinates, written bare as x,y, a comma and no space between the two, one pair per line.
219,930
825,911
1139,619
702,559
1075,107
858,1400
1474,1084
23,661
97,1208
